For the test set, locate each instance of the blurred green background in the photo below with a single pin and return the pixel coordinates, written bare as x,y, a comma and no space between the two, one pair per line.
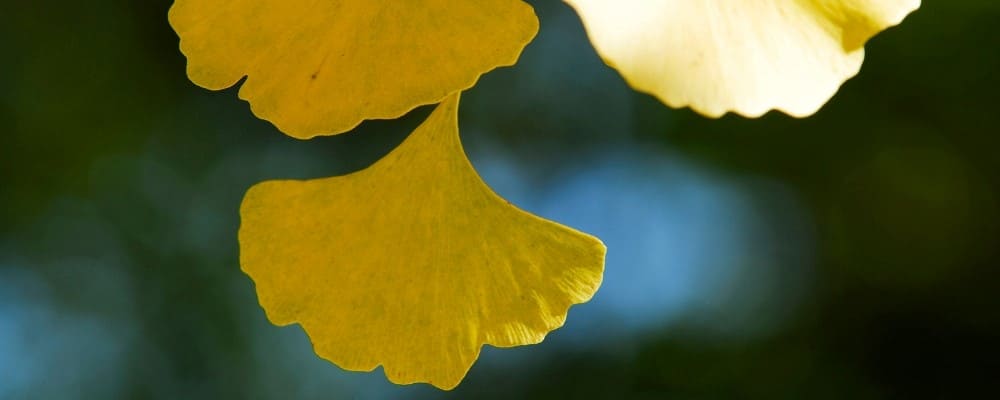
849,255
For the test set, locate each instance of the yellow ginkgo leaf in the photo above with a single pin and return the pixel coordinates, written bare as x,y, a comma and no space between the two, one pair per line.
737,55
413,263
321,67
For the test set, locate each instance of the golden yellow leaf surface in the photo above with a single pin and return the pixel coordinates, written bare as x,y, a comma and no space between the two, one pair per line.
736,55
319,67
413,263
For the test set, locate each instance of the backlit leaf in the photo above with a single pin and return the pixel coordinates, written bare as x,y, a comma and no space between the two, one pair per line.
413,263
737,55
317,67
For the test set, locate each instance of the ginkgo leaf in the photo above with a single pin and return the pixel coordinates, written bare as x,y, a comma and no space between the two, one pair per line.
413,263
735,55
321,67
